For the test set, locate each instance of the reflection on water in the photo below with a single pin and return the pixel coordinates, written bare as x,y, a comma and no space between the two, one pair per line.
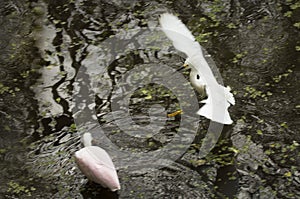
86,47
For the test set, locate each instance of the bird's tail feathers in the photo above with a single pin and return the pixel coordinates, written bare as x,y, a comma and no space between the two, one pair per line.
217,104
228,95
222,116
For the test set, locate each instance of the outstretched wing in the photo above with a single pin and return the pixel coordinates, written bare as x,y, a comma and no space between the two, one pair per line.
184,41
177,32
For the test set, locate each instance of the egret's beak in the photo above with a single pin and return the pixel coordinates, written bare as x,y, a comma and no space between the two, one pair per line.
183,67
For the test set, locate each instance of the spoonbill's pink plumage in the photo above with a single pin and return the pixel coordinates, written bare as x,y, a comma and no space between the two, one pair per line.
96,164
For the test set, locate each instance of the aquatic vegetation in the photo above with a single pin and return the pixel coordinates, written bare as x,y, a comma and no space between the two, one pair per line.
297,25
279,77
253,93
18,190
3,88
237,58
231,26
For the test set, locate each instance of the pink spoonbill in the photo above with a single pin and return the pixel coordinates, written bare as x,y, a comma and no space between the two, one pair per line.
96,164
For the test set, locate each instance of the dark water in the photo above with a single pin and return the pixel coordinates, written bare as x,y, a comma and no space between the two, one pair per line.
62,60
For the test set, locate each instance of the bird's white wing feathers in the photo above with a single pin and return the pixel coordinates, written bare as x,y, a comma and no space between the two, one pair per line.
216,105
177,32
184,41
219,97
171,22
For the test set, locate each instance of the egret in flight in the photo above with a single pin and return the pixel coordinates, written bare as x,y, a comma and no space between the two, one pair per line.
96,164
219,97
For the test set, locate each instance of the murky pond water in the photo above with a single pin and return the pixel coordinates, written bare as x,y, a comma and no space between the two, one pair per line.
68,67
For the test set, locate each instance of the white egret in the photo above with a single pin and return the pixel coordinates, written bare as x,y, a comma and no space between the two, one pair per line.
219,97
96,164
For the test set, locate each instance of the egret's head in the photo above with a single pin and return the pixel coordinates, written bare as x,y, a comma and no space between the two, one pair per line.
198,82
